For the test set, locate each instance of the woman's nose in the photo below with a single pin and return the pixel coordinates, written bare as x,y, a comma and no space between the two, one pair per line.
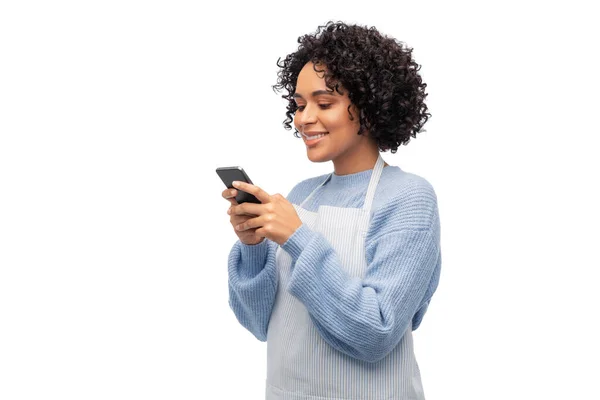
307,116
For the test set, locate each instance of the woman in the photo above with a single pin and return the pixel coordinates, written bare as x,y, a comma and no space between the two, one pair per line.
336,276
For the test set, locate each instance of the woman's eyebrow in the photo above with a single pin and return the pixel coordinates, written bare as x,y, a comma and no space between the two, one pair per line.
315,93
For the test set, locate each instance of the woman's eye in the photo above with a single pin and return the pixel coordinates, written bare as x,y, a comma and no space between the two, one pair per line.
323,107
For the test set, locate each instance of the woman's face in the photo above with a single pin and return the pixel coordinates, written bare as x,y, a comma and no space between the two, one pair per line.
322,111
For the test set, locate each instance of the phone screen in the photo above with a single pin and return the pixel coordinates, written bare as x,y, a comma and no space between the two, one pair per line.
230,174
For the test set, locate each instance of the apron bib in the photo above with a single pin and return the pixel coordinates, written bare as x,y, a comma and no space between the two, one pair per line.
300,363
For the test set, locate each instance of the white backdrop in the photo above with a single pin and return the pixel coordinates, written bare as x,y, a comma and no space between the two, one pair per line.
114,238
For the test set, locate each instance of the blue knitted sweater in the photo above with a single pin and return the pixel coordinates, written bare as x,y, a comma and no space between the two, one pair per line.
364,318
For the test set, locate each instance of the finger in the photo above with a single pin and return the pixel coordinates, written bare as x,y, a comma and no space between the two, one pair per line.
254,190
248,209
238,219
229,194
250,224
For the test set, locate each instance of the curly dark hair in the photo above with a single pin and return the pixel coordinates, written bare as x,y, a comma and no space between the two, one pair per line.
378,71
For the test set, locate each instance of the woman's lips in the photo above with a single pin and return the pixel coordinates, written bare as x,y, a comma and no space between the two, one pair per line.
313,142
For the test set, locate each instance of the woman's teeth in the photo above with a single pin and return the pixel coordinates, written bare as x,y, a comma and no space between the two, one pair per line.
314,137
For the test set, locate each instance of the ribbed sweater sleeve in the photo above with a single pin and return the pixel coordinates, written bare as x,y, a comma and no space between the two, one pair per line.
367,317
253,285
253,282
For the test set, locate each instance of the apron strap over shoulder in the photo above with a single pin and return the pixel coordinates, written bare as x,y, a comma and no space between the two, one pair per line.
373,183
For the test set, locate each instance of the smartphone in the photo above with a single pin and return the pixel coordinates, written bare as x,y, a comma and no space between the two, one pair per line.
230,174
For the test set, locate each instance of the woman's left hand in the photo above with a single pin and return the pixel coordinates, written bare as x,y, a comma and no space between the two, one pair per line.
276,217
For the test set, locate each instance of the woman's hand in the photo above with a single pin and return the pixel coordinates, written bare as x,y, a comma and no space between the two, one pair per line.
248,236
276,218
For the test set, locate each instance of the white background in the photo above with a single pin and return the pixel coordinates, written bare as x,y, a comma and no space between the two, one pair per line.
114,238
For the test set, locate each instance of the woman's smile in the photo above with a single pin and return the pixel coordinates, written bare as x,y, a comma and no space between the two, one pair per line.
312,140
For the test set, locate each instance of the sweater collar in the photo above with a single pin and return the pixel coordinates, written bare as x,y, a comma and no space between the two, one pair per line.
356,179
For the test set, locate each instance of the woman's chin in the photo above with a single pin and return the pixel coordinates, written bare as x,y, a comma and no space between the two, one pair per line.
317,156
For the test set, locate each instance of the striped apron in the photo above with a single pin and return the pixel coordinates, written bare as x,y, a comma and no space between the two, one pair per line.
300,363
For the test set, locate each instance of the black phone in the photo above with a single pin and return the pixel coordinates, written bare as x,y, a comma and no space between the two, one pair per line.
230,174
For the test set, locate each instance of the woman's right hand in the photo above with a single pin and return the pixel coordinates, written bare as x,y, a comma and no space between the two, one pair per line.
248,236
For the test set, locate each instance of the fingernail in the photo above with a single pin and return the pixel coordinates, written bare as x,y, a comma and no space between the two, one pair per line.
235,183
